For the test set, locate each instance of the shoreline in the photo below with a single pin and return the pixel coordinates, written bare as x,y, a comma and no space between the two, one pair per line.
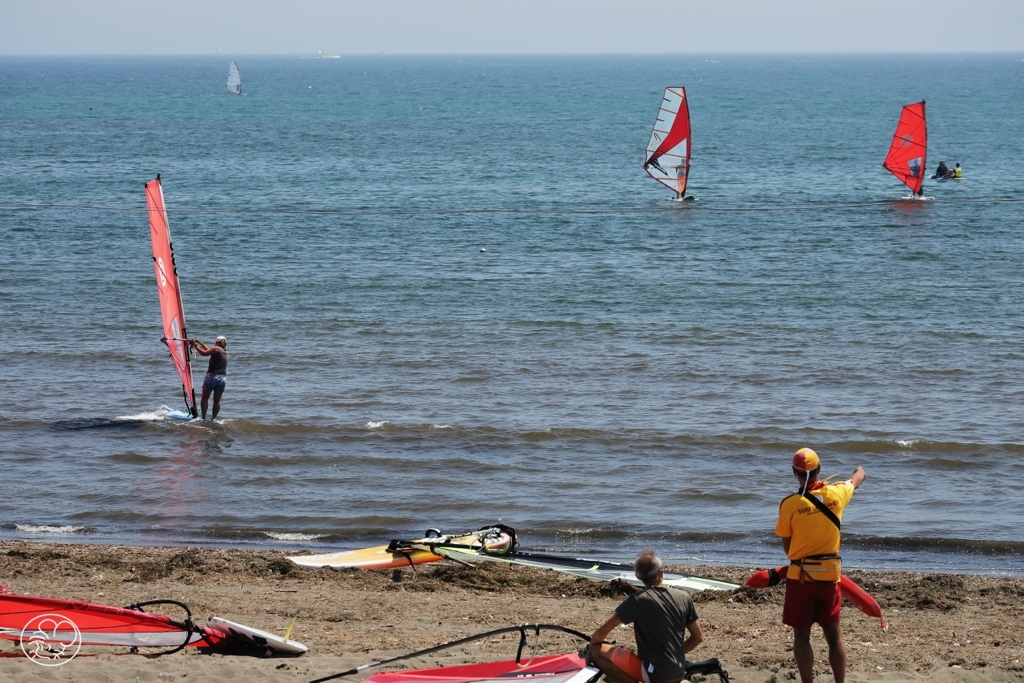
941,626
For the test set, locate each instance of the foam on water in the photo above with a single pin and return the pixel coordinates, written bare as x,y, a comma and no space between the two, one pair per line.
49,529
292,537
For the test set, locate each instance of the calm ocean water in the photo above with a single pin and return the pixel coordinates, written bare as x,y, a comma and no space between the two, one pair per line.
615,370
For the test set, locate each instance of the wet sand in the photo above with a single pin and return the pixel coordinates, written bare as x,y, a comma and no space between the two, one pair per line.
941,627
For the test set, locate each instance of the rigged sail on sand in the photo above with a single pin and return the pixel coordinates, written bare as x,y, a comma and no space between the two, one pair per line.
906,157
668,152
169,289
234,79
36,620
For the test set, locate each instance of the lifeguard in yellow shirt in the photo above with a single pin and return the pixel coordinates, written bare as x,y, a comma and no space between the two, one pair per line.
808,525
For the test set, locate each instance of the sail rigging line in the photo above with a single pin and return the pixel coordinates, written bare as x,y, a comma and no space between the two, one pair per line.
670,140
188,625
908,152
172,311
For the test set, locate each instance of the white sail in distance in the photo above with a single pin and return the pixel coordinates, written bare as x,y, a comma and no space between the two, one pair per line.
234,79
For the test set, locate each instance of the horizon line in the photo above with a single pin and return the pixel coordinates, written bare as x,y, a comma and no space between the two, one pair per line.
385,53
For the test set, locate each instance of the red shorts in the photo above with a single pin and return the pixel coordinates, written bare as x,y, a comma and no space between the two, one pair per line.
811,602
629,663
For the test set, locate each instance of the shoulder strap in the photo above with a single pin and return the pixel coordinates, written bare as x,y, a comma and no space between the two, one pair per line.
824,509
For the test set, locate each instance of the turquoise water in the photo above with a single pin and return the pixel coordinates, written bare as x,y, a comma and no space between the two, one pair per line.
615,370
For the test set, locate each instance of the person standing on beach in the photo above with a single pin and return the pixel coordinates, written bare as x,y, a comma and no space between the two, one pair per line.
661,616
216,374
808,525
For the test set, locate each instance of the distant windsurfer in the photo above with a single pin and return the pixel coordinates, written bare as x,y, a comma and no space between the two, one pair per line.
661,617
216,374
808,525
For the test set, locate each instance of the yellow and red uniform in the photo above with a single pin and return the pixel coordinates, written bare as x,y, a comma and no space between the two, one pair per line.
811,532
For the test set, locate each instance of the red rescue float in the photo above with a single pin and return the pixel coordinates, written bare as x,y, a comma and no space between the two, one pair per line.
860,598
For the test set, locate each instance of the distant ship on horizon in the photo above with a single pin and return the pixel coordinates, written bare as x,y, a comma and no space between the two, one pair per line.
327,55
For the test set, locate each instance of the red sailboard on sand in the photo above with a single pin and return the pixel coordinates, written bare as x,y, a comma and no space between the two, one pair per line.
906,157
668,152
169,289
34,619
569,668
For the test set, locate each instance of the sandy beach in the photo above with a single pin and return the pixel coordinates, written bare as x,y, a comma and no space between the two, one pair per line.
941,627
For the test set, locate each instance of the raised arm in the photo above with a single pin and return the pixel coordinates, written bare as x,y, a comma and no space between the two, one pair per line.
201,348
858,477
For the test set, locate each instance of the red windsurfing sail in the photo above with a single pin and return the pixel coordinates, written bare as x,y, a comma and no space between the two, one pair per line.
550,669
169,290
906,157
33,619
668,152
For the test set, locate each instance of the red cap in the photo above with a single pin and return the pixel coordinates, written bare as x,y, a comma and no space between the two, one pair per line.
806,460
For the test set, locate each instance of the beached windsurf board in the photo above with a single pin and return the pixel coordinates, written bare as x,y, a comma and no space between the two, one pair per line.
598,570
257,637
405,553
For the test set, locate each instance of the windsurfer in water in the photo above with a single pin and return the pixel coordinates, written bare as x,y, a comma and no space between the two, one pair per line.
661,617
216,374
808,525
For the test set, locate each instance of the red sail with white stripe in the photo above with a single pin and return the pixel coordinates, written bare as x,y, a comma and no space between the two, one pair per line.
35,620
906,157
169,290
668,152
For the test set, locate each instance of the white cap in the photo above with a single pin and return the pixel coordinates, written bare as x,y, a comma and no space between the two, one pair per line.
221,338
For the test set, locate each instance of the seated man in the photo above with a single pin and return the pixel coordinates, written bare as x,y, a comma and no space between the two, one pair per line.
958,172
941,171
661,616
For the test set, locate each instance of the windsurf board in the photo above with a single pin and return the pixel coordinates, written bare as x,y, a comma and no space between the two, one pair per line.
400,554
257,637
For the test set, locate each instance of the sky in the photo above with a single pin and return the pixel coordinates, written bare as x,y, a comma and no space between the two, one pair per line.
111,27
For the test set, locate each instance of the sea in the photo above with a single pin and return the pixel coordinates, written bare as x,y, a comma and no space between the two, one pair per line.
452,297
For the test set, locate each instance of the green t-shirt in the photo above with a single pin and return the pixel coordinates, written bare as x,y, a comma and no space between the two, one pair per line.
660,616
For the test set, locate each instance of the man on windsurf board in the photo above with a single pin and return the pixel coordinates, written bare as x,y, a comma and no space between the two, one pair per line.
216,374
808,525
661,617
